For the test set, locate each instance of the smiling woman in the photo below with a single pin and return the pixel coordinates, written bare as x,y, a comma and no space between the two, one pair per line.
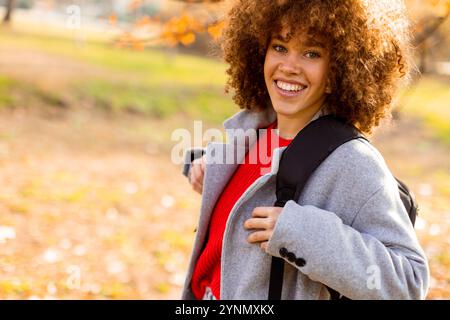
349,228
296,76
370,44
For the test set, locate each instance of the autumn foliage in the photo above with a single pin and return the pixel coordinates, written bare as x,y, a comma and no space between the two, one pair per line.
184,27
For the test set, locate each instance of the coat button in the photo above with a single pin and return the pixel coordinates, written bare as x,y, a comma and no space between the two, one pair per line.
283,252
300,262
291,257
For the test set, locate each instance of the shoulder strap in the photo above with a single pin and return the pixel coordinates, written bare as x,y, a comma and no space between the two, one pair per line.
307,151
312,145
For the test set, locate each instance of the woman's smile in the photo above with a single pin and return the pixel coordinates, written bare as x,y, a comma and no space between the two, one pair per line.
288,89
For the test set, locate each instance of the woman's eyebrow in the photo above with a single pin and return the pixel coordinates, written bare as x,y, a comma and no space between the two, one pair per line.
310,42
280,38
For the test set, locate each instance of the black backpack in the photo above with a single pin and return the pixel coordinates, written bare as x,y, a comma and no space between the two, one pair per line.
318,140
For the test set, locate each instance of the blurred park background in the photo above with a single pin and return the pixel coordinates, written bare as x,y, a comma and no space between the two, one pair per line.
91,206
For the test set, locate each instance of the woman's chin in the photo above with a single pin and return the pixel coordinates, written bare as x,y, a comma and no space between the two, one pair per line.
286,110
294,110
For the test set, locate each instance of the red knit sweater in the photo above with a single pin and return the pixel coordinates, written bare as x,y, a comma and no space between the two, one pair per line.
207,271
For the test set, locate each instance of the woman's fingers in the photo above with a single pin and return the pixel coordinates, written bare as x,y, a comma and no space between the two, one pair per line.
263,223
259,236
202,161
197,187
256,223
197,182
264,245
261,212
197,174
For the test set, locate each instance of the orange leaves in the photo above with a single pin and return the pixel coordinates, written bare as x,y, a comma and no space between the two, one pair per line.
112,19
138,45
181,29
215,30
442,7
187,38
145,21
127,40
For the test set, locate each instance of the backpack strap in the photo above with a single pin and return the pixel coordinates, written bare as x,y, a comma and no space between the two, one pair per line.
310,147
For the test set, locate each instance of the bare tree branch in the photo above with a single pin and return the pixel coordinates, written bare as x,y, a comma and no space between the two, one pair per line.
430,30
9,10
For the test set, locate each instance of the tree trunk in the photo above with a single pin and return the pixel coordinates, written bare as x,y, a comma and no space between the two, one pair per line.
423,67
9,10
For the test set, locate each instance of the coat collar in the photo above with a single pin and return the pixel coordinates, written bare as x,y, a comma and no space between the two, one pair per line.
217,174
248,119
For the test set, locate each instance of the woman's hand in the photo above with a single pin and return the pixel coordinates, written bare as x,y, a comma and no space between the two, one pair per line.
264,220
196,174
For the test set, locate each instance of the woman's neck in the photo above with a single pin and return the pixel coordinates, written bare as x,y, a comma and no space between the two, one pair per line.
289,126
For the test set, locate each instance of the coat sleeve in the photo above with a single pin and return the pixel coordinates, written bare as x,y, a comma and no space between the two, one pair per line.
189,156
378,256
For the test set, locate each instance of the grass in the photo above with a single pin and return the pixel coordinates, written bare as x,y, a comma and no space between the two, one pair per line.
159,100
6,86
161,83
430,101
15,93
154,65
153,82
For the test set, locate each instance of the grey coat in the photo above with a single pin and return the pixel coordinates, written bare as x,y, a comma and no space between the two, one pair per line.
348,231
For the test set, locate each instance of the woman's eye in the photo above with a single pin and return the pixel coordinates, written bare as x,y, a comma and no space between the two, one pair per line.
312,55
279,48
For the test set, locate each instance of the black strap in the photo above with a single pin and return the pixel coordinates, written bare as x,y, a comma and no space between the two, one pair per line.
312,145
334,295
276,278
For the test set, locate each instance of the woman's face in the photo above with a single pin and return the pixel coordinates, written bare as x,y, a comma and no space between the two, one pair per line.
295,73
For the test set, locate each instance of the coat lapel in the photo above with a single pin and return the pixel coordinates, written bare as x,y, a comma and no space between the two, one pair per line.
222,159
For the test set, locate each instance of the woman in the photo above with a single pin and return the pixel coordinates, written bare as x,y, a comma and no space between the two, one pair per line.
291,62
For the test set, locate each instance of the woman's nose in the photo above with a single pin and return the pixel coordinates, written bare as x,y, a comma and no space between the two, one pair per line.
291,65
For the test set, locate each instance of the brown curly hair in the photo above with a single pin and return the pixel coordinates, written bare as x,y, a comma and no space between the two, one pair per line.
368,42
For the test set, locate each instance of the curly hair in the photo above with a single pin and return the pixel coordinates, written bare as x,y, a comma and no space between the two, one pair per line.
368,41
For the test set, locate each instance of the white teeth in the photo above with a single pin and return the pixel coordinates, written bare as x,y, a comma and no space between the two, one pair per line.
289,87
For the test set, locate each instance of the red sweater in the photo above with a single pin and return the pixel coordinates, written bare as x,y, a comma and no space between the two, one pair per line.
207,271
